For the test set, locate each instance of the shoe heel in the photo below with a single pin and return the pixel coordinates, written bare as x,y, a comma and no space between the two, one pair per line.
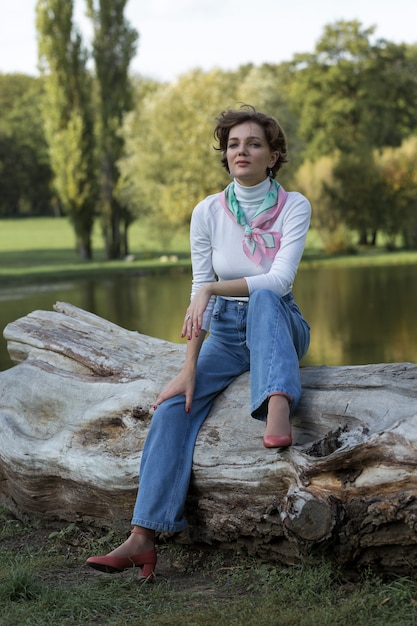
147,572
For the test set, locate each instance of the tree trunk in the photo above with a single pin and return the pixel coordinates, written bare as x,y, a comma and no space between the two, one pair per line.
75,410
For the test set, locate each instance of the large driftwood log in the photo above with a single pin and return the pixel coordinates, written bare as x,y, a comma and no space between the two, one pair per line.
74,413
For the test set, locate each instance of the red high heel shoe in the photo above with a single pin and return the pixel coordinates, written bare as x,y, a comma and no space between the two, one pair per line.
112,564
277,441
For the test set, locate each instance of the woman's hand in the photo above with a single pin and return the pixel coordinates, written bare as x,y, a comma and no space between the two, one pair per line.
182,384
194,317
193,321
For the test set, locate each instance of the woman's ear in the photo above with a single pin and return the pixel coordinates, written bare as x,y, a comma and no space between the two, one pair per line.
274,158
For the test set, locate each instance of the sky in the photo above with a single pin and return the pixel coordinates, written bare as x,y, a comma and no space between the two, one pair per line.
176,36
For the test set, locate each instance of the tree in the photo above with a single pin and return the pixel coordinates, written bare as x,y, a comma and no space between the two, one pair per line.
354,96
68,116
129,188
398,169
359,195
352,93
25,174
315,179
114,47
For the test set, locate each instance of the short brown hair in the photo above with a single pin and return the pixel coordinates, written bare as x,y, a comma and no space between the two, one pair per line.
274,132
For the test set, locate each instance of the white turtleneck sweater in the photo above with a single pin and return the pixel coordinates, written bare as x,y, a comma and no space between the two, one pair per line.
216,243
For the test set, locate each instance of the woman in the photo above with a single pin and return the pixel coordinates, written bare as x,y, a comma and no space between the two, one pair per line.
246,245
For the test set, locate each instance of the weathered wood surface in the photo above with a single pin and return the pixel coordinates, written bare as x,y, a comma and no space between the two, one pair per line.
74,413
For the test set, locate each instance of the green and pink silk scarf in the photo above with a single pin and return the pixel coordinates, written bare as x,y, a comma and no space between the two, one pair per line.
258,239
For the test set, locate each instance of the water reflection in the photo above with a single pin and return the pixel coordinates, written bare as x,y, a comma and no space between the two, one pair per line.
360,315
357,315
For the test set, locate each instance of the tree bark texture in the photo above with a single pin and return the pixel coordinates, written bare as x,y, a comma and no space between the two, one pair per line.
75,410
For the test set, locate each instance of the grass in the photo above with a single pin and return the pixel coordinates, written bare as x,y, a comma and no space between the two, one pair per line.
43,582
43,249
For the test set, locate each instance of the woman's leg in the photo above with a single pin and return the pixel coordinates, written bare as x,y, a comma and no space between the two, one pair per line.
278,337
168,452
278,420
167,456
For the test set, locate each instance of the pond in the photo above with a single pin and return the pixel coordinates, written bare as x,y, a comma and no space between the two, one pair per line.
358,315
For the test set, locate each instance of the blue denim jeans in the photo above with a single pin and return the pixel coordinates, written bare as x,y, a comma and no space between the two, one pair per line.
266,335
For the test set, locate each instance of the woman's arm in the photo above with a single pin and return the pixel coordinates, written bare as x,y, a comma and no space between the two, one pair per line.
184,382
194,317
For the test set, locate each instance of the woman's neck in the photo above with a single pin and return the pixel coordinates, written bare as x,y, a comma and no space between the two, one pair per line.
251,196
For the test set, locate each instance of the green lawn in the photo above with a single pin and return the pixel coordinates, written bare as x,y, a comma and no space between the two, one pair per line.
56,234
38,249
43,581
44,248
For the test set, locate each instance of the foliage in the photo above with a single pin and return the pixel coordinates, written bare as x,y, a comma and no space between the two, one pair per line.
355,96
359,195
397,167
114,46
352,93
68,116
314,179
25,174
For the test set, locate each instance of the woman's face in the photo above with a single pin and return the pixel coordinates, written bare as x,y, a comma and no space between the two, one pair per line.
248,154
